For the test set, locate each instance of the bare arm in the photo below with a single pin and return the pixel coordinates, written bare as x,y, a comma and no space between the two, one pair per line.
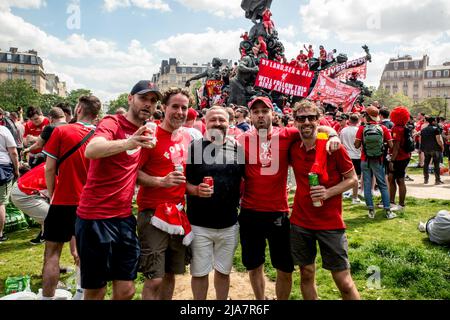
173,179
395,149
39,144
50,174
202,190
15,160
357,143
99,147
440,142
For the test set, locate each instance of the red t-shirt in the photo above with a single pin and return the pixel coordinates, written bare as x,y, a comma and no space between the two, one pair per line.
398,134
111,181
171,149
419,125
72,172
324,122
302,57
358,108
304,214
32,130
323,54
359,136
33,181
265,188
447,132
310,54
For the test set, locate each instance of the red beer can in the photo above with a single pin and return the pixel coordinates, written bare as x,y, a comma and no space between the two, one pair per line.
209,181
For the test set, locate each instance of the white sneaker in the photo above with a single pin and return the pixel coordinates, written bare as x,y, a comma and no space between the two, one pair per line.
422,227
397,207
371,214
390,215
356,201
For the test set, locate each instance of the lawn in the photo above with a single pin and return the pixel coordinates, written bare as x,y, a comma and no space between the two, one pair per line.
410,267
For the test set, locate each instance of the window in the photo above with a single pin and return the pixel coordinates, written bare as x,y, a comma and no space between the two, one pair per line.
33,60
405,73
395,85
416,74
22,69
429,84
416,64
429,94
9,68
33,78
395,75
183,70
9,56
429,74
22,58
387,75
173,79
446,73
395,65
438,83
194,70
406,65
405,84
183,79
438,74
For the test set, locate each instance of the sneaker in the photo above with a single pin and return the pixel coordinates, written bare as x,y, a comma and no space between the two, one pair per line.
425,182
390,215
408,178
347,194
371,214
3,238
380,205
356,201
38,240
437,183
422,226
397,207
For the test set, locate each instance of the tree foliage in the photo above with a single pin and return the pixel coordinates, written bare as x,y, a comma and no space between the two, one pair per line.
17,93
48,101
121,101
74,95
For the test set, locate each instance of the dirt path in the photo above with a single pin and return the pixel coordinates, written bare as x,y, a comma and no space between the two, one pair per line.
240,288
419,190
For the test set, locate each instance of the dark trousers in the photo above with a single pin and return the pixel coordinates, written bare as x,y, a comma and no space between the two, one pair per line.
436,156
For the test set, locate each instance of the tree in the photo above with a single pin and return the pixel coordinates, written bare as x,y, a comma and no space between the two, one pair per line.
74,95
385,98
121,101
431,106
48,101
399,99
17,93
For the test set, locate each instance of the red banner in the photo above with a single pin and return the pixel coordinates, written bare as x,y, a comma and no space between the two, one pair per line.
332,72
214,87
334,92
346,74
283,78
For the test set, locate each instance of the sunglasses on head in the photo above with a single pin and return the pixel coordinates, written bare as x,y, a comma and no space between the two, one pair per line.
310,118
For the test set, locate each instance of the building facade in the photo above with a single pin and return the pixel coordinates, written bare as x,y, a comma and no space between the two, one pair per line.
416,79
174,74
15,65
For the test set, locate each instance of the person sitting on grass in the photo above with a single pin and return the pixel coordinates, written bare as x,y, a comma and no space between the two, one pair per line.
438,228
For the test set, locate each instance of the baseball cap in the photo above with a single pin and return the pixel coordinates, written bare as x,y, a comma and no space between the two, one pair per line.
145,86
373,113
264,100
192,114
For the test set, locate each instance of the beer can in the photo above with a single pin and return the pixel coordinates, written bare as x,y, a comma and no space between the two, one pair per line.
314,181
209,181
179,168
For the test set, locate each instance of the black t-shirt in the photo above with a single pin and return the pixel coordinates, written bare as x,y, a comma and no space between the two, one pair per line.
48,130
428,141
226,165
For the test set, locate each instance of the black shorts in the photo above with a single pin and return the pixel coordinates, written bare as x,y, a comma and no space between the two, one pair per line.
108,249
447,150
357,165
255,229
59,225
332,243
399,171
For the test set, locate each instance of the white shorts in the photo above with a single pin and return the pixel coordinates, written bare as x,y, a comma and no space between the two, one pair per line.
35,206
213,248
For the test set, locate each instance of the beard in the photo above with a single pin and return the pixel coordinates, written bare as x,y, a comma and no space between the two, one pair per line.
177,123
307,131
262,124
217,134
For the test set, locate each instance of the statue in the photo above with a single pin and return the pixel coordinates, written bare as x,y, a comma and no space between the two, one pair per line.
213,73
254,9
241,86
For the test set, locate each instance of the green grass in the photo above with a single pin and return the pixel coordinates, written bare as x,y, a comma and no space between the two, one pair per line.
411,267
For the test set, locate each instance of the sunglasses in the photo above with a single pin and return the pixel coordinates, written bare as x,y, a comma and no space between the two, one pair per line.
310,118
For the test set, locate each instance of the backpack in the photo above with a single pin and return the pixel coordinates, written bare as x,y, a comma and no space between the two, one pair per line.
408,144
373,141
12,128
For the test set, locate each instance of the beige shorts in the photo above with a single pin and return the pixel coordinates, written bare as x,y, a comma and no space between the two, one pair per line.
35,206
161,252
5,191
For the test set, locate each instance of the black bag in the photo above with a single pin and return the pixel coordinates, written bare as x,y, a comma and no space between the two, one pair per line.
6,173
408,144
13,129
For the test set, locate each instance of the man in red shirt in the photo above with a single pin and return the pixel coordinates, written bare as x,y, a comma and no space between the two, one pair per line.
302,57
322,56
446,136
419,124
59,225
264,205
310,51
323,224
373,166
162,182
33,129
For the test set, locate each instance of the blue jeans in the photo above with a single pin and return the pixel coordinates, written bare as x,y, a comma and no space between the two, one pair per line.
375,169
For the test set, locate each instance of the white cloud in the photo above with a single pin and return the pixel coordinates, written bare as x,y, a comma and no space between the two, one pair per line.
23,4
202,47
111,5
224,9
360,21
288,32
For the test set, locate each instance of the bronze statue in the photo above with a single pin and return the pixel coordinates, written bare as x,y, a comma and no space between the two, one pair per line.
241,86
213,73
254,9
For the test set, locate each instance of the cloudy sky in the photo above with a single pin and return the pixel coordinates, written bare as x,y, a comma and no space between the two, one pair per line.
108,45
